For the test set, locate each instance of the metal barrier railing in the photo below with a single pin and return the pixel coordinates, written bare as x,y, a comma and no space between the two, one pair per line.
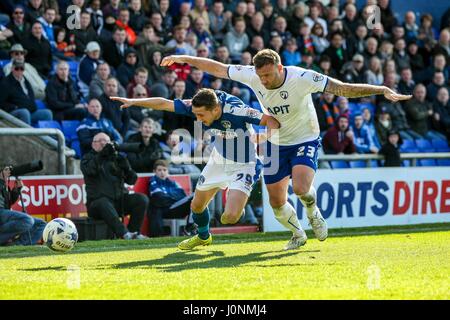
345,157
42,132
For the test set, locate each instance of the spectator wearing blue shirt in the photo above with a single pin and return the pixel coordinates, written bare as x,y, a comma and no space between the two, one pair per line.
370,124
87,67
47,24
94,123
362,138
168,200
290,55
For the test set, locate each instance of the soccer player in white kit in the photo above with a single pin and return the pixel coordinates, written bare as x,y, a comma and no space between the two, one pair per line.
285,93
233,164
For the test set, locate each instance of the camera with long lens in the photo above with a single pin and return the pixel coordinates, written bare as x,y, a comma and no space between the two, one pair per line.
129,147
23,169
113,148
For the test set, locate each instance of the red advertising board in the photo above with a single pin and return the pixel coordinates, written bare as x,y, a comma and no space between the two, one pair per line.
50,197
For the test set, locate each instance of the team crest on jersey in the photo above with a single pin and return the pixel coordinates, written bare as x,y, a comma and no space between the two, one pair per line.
226,124
238,68
317,77
284,94
252,113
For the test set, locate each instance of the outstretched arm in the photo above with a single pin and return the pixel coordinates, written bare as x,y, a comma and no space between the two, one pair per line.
154,103
215,68
272,125
356,90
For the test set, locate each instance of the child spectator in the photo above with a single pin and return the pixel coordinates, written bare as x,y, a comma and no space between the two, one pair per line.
68,50
168,200
390,150
290,55
363,139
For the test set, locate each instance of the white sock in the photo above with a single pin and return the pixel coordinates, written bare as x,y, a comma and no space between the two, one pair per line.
309,201
287,216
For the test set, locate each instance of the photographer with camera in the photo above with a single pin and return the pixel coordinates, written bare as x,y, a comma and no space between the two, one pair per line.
16,228
105,171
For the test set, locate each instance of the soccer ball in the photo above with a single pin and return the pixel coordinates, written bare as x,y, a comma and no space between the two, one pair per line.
60,235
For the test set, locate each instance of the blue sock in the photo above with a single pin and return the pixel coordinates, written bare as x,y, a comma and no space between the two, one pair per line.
202,221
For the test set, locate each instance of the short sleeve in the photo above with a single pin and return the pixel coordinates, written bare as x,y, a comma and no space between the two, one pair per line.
183,108
311,81
251,115
244,74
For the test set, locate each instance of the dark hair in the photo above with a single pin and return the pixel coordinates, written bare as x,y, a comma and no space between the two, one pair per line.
336,33
162,163
265,57
178,27
205,98
426,16
57,30
117,28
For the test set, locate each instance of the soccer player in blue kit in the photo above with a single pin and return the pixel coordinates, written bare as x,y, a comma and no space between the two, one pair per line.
233,163
285,93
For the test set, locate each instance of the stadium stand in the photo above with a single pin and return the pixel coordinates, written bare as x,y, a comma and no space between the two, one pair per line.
49,124
357,164
339,164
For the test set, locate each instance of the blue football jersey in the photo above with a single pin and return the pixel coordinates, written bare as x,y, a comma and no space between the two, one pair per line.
231,133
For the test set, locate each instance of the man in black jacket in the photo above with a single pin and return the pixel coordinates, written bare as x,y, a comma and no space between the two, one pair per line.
114,50
111,109
39,50
391,150
17,96
18,25
151,151
105,171
61,96
85,34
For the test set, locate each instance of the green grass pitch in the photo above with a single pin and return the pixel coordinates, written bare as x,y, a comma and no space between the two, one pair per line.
373,263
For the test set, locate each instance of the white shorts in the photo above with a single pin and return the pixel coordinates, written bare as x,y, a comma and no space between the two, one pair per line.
221,173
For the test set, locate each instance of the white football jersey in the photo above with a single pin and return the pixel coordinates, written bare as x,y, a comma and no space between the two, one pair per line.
291,104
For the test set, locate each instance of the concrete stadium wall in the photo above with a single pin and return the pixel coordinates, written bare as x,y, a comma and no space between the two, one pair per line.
19,150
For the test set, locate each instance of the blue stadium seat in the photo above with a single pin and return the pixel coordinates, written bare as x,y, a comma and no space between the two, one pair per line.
49,124
75,145
374,164
3,63
69,128
339,164
443,162
440,145
424,145
408,146
40,104
73,67
358,164
406,163
426,162
368,105
353,107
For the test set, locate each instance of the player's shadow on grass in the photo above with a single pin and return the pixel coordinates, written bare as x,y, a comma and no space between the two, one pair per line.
180,261
59,268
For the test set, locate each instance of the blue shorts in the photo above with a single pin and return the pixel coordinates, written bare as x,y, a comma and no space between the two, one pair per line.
288,157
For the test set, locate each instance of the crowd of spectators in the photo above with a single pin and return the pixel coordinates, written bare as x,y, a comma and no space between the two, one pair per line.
118,45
